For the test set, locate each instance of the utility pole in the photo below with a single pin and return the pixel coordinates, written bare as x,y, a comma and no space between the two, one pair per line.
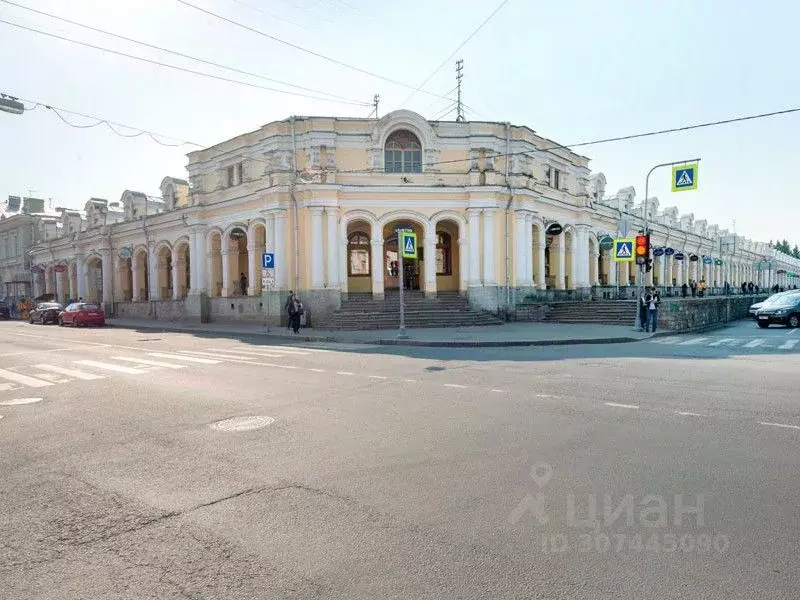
459,78
375,102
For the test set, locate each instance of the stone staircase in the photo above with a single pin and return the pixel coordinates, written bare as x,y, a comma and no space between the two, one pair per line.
614,312
447,309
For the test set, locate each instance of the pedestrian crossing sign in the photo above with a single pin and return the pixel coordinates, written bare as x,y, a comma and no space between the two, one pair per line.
684,178
408,244
623,250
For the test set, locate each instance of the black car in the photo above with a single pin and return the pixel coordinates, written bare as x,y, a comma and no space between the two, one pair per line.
46,312
5,314
784,311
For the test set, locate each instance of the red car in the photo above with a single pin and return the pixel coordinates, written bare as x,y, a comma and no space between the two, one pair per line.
80,313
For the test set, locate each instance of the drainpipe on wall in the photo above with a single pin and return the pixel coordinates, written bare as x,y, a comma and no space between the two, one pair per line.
292,187
508,232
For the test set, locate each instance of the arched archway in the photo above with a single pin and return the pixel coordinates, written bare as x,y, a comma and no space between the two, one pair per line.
93,273
124,269
359,257
163,272
234,262
141,275
413,269
448,257
181,269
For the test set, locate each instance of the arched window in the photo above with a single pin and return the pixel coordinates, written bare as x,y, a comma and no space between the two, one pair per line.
403,153
444,254
358,254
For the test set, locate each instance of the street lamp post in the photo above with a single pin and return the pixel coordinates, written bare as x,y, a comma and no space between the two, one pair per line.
639,325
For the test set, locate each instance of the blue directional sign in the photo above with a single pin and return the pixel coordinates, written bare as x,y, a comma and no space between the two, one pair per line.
268,260
707,260
623,250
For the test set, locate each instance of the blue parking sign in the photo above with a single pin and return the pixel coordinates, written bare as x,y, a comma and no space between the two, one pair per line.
268,260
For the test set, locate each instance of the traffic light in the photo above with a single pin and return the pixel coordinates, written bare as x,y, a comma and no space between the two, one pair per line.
648,265
642,249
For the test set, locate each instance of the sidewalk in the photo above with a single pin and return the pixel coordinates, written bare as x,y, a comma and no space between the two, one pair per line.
511,334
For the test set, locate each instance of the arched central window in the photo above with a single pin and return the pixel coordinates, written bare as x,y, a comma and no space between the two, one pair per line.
403,153
358,251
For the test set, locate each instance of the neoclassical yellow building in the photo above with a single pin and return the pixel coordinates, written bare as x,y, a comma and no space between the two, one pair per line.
501,214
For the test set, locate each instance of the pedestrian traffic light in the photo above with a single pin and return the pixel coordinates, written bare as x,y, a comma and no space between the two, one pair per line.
642,249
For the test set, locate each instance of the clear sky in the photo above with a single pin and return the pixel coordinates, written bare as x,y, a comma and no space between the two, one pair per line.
573,71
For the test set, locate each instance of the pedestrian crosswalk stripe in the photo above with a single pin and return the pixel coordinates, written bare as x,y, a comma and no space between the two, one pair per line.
267,351
111,367
723,341
151,363
204,361
693,342
754,344
218,355
788,345
666,340
23,379
4,387
77,374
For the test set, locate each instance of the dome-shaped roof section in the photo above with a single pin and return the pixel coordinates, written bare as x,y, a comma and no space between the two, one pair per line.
403,119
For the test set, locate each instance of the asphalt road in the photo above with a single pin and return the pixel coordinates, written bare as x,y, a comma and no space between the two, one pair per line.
653,470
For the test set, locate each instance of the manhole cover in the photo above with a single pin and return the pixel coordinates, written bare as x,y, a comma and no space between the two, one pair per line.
242,423
17,401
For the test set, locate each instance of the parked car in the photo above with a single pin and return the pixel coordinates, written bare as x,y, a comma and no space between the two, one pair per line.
784,311
80,314
775,297
45,312
5,313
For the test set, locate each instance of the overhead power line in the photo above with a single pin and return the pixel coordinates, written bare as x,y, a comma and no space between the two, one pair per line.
460,46
301,48
107,122
181,54
177,68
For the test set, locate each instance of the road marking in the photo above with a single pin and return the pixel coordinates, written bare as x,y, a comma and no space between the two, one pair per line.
317,370
665,340
111,367
498,391
547,396
410,380
688,414
455,385
344,373
151,363
23,379
77,374
375,377
617,405
218,355
202,361
6,386
694,342
18,401
780,425
754,344
69,349
270,351
722,341
792,332
789,344
248,353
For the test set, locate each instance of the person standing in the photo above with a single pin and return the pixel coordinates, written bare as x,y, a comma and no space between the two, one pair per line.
653,299
287,308
243,284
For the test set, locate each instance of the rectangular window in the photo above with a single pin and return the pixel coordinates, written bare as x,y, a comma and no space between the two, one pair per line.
230,174
442,262
557,179
239,173
359,262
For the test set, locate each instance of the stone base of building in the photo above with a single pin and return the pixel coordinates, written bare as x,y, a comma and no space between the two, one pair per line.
486,297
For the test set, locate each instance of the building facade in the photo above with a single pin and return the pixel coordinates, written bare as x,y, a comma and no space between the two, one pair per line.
19,231
501,215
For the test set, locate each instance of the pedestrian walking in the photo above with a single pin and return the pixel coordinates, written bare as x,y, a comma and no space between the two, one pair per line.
294,314
243,284
287,308
684,289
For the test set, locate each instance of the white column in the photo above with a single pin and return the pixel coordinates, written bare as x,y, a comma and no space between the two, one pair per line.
80,272
253,260
200,259
68,284
226,272
108,275
344,258
463,261
474,246
661,265
176,270
679,272
377,266
136,277
521,250
594,258
49,280
317,264
541,280
152,268
192,261
430,263
281,258
612,269
489,275
562,263
580,257
333,249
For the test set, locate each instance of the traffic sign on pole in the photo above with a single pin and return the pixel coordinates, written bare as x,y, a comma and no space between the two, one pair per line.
684,178
268,260
623,250
408,244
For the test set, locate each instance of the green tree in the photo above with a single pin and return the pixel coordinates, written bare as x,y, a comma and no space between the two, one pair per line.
796,251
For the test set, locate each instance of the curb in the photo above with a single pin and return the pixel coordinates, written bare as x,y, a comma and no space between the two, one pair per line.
390,341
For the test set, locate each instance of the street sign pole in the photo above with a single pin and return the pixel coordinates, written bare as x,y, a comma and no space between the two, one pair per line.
639,325
400,273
